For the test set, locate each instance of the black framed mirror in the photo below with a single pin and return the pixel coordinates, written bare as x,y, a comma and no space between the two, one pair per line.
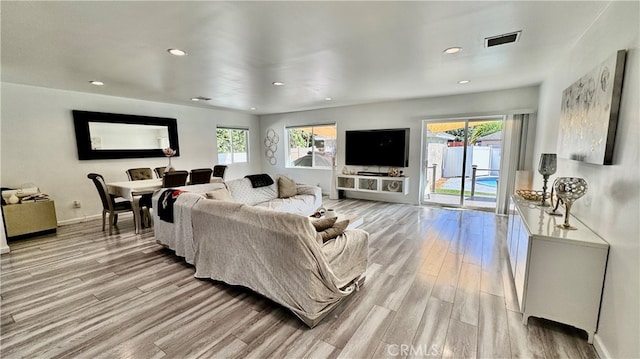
101,135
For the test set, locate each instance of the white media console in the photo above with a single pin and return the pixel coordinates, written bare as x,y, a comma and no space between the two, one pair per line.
379,184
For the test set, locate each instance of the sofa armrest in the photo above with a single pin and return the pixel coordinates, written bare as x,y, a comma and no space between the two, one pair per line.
348,254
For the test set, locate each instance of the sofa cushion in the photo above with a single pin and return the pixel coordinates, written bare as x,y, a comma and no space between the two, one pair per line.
286,187
334,231
221,194
242,192
301,204
324,223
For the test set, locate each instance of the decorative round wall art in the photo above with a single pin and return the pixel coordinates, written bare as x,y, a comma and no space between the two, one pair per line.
271,146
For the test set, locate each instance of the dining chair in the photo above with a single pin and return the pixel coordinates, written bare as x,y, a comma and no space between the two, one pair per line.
219,171
174,179
159,171
109,203
137,174
200,175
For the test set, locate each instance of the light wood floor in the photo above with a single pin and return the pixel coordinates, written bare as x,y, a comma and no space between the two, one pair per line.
437,286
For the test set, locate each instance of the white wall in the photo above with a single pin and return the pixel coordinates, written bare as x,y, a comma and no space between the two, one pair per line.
397,114
39,146
611,205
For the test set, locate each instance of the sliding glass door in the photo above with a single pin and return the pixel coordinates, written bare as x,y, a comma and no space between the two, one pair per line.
462,162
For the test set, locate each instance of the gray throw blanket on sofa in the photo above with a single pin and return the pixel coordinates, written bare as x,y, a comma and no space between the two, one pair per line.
276,254
178,236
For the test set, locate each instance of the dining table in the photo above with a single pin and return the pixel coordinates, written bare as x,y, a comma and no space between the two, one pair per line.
133,191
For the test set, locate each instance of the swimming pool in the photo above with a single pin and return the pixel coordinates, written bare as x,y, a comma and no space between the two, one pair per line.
491,181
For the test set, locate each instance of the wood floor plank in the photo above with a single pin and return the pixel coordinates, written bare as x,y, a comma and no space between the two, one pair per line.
461,340
407,319
558,340
321,350
509,287
467,295
84,294
491,280
228,347
432,331
341,329
366,338
435,257
272,339
493,329
523,343
447,282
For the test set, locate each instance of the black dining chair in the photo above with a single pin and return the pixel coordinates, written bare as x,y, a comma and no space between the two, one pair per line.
219,171
109,203
159,171
174,179
200,175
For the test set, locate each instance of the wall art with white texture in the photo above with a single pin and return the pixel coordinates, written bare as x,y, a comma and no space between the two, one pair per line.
589,113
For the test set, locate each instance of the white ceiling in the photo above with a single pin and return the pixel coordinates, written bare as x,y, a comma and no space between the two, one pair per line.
353,52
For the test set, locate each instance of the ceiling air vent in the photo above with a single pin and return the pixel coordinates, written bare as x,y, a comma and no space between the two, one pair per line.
502,39
201,98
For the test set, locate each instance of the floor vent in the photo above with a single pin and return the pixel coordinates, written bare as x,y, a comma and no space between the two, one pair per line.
502,39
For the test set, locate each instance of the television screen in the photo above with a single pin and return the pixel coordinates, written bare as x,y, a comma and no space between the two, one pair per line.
388,147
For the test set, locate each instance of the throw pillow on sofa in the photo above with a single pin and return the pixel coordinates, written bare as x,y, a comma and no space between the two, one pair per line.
221,194
287,187
334,231
324,223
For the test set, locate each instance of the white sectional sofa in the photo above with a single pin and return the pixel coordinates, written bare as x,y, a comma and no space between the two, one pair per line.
305,202
267,244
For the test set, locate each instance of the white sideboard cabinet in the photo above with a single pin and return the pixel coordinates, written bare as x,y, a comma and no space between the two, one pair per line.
379,184
558,273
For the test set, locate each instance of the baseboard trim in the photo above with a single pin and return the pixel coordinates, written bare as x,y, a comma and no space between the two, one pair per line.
79,220
601,349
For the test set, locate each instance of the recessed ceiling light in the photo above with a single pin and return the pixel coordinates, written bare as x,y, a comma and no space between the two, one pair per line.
462,82
177,52
328,99
96,83
277,83
253,108
452,50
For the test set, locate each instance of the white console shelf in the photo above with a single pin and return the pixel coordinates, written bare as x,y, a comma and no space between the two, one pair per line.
376,184
558,273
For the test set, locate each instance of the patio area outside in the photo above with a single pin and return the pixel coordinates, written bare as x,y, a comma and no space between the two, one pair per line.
447,191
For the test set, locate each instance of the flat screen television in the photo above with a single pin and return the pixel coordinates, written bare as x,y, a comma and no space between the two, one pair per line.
389,147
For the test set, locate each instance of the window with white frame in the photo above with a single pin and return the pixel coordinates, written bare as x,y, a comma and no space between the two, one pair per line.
311,146
232,145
